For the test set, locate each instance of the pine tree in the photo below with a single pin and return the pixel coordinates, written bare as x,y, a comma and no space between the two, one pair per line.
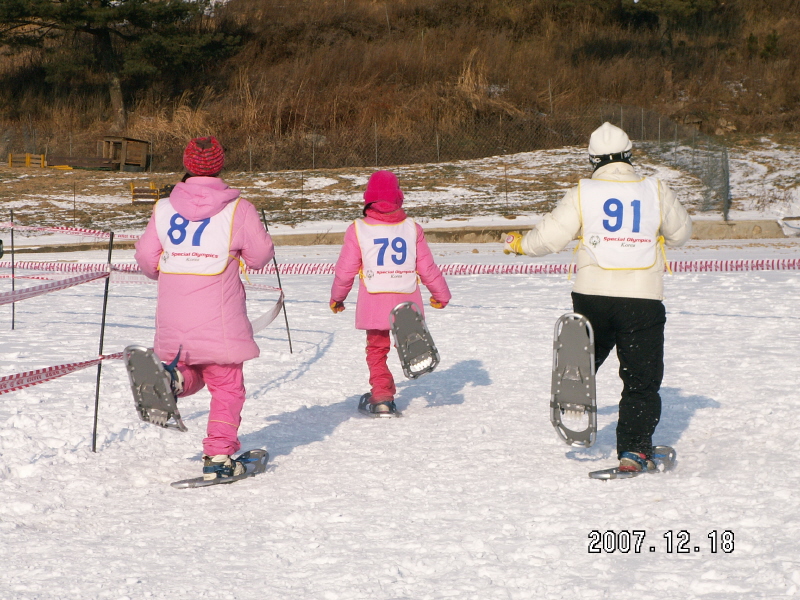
121,41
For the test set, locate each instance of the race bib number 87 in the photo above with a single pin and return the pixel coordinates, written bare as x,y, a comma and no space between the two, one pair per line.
193,247
178,226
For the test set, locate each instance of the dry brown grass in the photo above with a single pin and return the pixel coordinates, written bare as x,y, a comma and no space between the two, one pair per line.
344,72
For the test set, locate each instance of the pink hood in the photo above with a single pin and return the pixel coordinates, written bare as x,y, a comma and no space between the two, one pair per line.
198,198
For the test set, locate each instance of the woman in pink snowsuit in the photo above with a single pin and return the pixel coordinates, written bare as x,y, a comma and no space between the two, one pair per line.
388,252
193,245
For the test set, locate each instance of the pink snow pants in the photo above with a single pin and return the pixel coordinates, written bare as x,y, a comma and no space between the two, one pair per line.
226,384
379,343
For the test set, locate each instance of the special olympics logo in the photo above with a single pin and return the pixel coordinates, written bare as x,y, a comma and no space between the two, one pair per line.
369,274
165,256
594,241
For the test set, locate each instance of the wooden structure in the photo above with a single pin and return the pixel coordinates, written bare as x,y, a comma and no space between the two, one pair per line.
144,194
27,160
150,193
125,154
77,162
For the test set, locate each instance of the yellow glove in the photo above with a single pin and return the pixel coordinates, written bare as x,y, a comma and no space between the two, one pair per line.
436,304
513,243
337,307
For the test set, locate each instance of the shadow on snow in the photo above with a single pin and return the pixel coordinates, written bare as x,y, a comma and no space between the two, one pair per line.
677,410
290,430
443,388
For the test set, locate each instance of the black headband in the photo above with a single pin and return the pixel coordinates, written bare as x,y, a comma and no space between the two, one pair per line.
600,160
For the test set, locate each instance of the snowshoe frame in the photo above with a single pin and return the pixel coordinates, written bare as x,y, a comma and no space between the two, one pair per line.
572,386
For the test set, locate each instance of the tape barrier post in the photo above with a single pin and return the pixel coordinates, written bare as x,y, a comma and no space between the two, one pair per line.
277,273
100,351
13,306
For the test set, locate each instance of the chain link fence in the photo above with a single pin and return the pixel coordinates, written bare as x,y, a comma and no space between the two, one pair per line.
384,143
681,147
674,144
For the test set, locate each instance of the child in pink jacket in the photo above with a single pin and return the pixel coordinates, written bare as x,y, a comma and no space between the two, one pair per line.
388,252
193,245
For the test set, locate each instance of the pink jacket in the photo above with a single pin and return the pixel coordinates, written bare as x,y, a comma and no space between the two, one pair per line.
206,314
372,310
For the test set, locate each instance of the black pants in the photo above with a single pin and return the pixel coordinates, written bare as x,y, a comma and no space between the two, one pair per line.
636,327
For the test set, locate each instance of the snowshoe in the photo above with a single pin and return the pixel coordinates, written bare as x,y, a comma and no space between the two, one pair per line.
152,386
573,404
418,353
247,464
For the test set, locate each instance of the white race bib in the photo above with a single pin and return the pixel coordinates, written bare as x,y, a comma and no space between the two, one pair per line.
193,247
388,256
621,222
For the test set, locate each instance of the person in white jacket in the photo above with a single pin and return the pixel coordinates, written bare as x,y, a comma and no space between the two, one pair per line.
622,221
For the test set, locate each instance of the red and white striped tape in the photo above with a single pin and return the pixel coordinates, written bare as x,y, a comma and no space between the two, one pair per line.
63,267
706,266
12,383
296,269
71,231
681,266
46,288
686,266
39,277
507,269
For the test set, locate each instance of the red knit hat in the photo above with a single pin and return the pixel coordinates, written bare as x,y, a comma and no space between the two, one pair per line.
204,156
383,192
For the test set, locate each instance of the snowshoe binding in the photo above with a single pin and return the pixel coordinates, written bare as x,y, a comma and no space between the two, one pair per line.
221,465
378,410
633,464
155,387
223,469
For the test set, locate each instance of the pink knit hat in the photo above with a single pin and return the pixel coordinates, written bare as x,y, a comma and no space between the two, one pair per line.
383,192
204,156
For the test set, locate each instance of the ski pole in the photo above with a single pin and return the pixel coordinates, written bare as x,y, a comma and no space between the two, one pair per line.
100,352
277,272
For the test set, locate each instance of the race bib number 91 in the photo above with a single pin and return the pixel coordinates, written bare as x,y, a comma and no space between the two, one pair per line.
621,221
616,212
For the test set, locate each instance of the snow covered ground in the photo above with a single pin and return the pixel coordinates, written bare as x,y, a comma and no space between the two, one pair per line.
470,496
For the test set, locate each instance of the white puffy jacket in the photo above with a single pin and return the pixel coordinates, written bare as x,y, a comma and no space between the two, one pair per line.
563,225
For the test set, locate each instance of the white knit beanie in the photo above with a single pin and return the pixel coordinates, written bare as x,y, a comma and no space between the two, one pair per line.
608,139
